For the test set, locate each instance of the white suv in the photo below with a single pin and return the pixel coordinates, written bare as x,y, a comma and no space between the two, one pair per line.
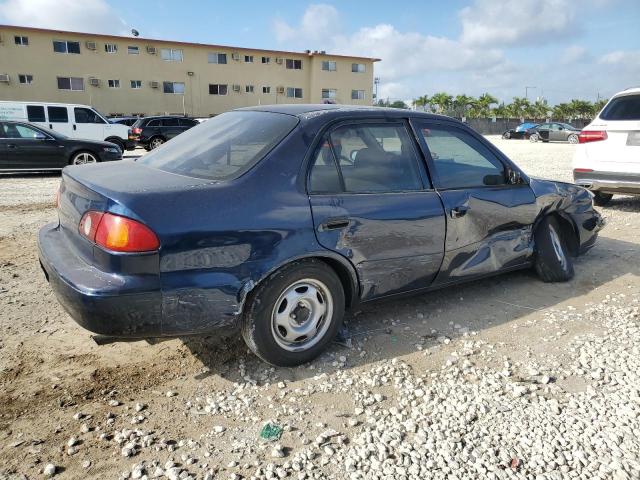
607,158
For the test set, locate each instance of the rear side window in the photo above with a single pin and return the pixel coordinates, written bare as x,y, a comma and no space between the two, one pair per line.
171,122
223,147
626,107
154,123
35,113
58,114
370,158
461,160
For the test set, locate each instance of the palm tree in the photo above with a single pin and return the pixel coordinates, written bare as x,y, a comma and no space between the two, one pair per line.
519,108
501,111
461,103
539,110
422,101
599,105
442,101
562,111
482,106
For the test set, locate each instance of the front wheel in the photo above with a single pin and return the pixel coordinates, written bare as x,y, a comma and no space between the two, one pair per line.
573,138
82,158
553,261
601,199
534,138
294,314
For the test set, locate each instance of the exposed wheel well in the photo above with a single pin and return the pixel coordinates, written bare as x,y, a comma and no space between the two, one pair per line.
568,233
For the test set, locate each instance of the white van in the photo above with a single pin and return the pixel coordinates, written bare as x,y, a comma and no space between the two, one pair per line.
75,121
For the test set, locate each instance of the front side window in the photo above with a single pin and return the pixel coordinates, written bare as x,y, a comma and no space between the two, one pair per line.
65,46
293,64
357,94
110,48
21,40
25,79
133,50
369,157
329,93
217,89
86,115
136,84
58,114
71,83
35,113
293,92
113,83
171,54
626,107
173,87
461,160
224,146
358,67
218,58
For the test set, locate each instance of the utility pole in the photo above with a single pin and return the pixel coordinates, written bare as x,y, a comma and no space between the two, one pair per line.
376,82
526,91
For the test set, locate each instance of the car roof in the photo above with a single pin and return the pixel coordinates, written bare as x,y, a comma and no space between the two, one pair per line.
302,110
149,117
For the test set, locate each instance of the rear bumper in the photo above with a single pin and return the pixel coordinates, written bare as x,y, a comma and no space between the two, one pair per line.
104,303
609,182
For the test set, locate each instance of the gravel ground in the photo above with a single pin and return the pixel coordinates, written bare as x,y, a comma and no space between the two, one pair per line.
504,378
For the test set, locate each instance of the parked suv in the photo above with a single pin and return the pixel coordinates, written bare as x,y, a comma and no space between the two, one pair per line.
607,159
151,132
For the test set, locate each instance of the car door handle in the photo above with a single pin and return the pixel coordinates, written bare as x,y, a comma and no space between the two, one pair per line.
12,145
335,224
459,211
74,127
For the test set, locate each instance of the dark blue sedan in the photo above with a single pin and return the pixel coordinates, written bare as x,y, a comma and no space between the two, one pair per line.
278,218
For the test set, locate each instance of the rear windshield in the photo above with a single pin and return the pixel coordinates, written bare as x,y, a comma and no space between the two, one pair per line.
224,147
626,107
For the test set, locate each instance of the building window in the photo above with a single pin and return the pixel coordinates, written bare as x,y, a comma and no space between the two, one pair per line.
329,66
64,46
216,89
173,87
20,40
329,93
133,50
171,54
70,83
113,83
219,58
357,94
293,92
110,47
248,59
266,89
136,84
248,89
25,79
358,68
294,64
266,59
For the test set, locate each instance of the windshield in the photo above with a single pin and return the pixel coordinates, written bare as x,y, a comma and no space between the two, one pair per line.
224,147
626,107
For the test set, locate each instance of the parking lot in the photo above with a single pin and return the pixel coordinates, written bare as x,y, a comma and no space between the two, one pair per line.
504,378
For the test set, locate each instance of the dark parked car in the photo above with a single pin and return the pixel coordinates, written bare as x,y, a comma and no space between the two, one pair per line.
128,121
278,218
151,132
24,146
520,132
554,132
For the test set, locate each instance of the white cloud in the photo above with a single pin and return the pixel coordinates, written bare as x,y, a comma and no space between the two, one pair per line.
574,54
319,23
622,58
500,23
94,16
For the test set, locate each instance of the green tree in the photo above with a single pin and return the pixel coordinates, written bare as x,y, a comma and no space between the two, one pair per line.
562,111
501,111
540,110
422,102
442,101
599,105
461,105
482,106
398,104
519,108
582,108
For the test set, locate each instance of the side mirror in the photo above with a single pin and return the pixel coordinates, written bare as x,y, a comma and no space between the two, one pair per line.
514,177
40,136
560,128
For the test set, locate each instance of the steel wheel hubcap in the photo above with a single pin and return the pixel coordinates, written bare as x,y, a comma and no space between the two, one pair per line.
302,315
83,158
557,247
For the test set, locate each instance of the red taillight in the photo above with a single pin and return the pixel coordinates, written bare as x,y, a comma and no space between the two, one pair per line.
120,234
587,136
582,170
136,131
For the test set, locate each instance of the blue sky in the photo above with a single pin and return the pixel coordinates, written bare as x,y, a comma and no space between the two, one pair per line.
564,48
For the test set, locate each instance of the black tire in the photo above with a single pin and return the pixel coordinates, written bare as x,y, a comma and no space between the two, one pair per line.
117,142
601,199
553,261
258,325
155,142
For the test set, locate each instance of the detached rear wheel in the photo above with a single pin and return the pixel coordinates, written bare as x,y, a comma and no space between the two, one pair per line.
294,314
553,259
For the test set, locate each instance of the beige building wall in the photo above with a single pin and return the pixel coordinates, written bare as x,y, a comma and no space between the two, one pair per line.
39,60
